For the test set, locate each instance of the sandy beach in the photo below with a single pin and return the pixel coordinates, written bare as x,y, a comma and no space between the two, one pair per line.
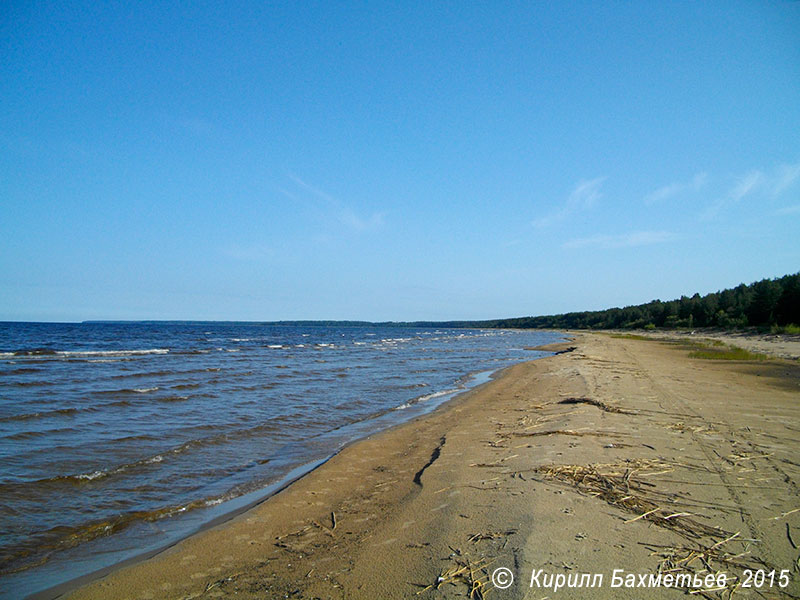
622,457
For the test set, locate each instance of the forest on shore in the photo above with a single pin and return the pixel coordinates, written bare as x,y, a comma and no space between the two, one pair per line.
768,304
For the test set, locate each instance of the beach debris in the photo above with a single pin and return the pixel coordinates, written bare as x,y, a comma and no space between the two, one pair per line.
491,535
709,549
601,405
297,542
525,423
464,571
740,457
434,456
683,427
710,560
333,520
324,528
789,536
619,485
219,582
284,546
494,464
563,432
785,514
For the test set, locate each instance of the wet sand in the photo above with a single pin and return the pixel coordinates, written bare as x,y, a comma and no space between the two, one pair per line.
620,454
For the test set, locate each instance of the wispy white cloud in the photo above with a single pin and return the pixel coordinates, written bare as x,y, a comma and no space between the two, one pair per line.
746,185
314,190
583,197
786,177
757,183
344,214
625,240
676,188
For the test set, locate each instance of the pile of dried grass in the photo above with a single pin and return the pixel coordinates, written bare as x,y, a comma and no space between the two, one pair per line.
464,571
618,485
711,559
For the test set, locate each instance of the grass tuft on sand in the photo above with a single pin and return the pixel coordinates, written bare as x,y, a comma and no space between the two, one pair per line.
722,352
630,336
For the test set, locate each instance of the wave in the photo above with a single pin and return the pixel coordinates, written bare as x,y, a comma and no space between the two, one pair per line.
27,435
30,383
186,386
108,360
32,352
38,548
413,386
20,371
275,425
438,394
51,353
71,410
40,414
172,398
425,397
126,391
52,484
164,373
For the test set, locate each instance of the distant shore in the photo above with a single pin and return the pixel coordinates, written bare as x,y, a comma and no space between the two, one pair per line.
623,453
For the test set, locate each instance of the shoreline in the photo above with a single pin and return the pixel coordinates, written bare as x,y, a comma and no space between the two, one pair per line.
388,514
241,505
67,587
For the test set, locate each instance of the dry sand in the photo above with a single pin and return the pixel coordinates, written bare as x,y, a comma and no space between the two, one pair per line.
622,454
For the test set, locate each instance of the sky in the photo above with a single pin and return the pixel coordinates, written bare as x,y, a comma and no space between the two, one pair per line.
392,160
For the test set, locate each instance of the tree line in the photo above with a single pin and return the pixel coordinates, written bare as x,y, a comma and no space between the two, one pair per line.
765,303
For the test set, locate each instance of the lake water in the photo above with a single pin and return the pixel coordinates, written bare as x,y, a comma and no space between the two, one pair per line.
119,438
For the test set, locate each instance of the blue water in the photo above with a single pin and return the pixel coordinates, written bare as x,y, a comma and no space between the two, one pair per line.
115,438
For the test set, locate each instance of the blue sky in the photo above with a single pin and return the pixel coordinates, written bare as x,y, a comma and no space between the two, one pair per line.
370,160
